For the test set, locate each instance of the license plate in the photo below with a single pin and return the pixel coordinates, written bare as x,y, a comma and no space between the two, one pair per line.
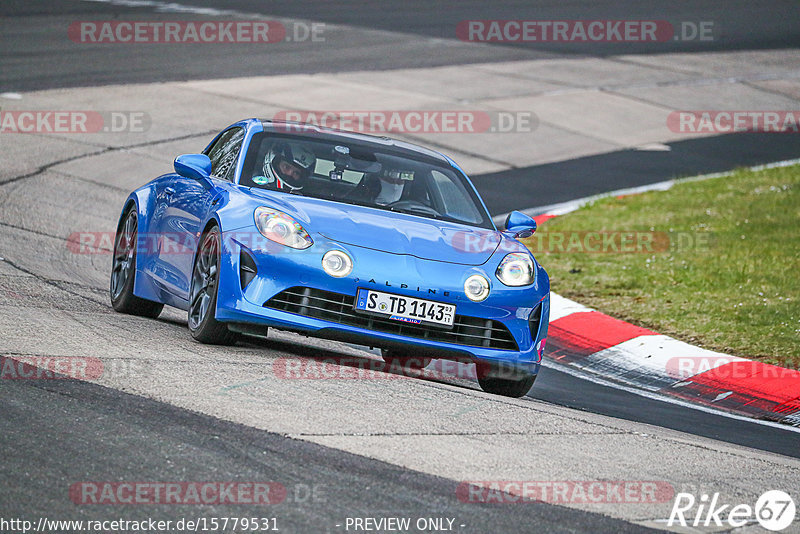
405,309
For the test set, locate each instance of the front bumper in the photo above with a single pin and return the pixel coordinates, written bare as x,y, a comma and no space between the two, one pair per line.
290,291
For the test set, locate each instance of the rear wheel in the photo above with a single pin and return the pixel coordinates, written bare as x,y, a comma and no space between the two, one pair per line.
203,293
501,380
401,361
123,272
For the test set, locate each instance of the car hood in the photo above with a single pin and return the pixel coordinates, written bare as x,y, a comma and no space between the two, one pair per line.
396,233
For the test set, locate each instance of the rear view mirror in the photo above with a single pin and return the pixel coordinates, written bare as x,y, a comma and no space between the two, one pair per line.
196,166
520,225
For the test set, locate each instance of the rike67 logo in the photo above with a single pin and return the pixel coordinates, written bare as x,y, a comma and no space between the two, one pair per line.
774,510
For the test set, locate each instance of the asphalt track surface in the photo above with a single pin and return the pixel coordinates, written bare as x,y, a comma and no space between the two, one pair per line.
117,436
387,35
101,431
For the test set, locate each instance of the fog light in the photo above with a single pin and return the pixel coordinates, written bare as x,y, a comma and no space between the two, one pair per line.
337,264
477,288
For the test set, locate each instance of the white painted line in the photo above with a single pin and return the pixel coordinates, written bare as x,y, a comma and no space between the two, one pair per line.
775,164
664,398
11,96
654,147
173,7
722,396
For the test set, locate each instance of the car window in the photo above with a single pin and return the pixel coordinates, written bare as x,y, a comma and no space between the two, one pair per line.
454,198
225,153
357,173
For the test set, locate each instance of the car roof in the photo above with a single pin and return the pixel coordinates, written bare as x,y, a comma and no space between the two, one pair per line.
311,130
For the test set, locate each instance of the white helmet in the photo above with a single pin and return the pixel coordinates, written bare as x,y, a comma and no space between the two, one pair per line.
288,165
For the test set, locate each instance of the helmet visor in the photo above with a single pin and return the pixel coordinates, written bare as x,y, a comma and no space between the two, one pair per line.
289,172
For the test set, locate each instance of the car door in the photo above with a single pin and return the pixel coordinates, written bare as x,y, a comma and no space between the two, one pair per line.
187,203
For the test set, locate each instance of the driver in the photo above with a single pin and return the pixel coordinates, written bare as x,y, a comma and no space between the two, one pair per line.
391,188
288,166
382,189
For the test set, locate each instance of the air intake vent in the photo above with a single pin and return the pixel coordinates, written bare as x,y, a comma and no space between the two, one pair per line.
247,268
535,319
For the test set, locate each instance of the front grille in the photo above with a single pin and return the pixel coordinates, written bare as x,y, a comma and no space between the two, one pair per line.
338,308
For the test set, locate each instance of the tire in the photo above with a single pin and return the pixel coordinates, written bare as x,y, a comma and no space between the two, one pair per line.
512,384
393,359
203,293
123,271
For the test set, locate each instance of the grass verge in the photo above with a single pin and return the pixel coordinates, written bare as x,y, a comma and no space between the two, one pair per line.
714,262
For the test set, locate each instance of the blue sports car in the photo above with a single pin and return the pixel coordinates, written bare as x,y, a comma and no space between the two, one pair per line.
338,235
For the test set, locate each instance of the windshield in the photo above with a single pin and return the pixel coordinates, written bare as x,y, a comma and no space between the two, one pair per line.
348,172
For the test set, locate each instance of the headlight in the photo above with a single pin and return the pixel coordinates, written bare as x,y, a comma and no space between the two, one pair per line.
336,263
477,288
279,227
516,269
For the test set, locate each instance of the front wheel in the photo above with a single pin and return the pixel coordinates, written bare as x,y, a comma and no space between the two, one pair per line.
500,380
123,272
203,293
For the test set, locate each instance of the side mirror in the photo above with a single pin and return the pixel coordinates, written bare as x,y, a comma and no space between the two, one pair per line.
196,166
520,225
